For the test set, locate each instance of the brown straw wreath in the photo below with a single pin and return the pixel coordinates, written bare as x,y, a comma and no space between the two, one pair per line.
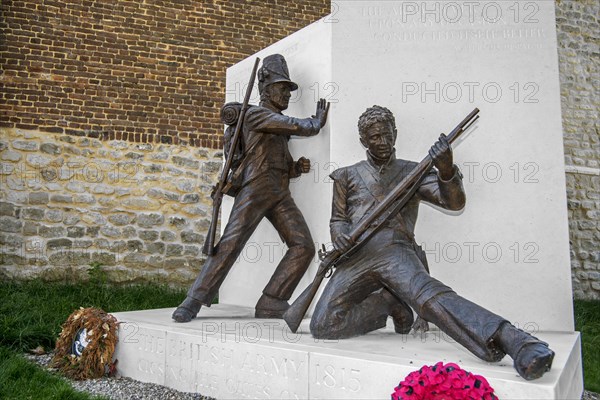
95,360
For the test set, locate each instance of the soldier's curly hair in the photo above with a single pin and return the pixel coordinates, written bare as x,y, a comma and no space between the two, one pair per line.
372,115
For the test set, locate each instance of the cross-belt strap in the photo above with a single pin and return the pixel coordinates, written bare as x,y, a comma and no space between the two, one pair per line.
377,192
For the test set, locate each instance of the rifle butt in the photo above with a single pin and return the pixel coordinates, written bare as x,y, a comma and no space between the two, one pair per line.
209,243
209,246
297,310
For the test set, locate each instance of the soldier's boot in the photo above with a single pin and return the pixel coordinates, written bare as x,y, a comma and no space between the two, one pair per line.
401,313
187,310
270,307
531,357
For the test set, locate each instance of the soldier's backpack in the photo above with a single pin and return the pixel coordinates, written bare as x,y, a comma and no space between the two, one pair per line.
230,113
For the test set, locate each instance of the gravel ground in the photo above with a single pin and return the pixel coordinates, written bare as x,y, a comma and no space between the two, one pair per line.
129,389
590,396
121,388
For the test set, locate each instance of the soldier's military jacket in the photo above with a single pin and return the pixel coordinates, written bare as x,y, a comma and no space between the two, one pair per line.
266,134
360,187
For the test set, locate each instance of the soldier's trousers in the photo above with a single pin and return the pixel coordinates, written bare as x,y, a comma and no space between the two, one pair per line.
352,304
267,196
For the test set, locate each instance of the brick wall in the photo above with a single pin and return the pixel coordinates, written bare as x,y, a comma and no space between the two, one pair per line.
578,29
146,71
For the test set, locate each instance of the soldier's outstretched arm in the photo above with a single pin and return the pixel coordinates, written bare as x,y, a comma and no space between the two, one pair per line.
264,120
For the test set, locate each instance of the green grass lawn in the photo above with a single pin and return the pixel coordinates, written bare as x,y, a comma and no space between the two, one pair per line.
21,379
587,321
31,314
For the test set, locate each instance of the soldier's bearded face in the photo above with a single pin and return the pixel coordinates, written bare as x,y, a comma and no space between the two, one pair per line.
379,139
279,95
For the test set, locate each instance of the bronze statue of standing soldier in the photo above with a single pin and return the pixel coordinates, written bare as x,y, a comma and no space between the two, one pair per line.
264,174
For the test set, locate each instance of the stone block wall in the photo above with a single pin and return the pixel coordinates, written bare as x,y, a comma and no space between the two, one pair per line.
578,32
138,209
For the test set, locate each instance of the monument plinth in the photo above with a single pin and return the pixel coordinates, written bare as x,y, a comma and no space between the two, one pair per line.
227,353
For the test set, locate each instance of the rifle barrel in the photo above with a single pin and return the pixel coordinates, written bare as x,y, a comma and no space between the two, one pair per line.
407,182
238,127
209,247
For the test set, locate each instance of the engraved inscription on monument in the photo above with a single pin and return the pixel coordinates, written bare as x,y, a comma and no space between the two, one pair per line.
472,26
144,350
226,367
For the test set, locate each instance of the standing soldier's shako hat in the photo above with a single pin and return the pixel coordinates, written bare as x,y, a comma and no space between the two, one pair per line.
274,69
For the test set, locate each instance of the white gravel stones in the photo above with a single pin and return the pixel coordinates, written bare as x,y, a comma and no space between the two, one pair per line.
120,388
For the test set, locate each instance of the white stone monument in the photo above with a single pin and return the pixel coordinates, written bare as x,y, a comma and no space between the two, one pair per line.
431,63
308,55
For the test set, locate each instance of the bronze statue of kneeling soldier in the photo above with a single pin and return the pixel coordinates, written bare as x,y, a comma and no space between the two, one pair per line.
261,179
387,274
